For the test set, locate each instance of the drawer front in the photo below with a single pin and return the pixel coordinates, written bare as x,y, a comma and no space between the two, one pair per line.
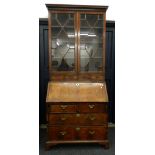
63,108
92,133
81,119
92,107
77,133
61,133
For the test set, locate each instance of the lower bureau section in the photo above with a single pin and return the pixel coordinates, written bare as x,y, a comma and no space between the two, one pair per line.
77,133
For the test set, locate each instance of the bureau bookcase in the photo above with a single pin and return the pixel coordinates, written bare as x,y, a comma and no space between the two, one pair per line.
77,99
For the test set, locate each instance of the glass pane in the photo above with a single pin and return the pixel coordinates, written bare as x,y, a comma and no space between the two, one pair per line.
63,42
91,42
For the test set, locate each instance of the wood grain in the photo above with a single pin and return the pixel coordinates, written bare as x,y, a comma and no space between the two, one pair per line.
62,108
76,92
93,107
77,101
81,119
77,132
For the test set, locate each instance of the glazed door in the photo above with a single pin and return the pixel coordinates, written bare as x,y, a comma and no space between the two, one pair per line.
77,45
62,48
91,42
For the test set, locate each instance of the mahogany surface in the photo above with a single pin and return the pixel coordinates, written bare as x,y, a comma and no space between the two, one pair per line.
77,112
81,119
62,108
77,133
93,107
76,92
77,100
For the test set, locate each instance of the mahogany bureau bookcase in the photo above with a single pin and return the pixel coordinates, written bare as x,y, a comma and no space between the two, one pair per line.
77,99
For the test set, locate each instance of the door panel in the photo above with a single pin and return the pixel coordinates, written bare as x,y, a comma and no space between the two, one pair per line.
91,42
63,41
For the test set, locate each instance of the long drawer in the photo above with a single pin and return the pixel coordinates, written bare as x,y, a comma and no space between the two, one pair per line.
77,133
78,107
81,119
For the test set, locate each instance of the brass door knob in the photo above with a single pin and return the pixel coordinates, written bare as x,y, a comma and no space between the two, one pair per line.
63,133
92,132
91,106
63,106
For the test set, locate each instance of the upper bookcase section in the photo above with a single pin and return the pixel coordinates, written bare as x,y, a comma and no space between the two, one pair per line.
77,42
76,7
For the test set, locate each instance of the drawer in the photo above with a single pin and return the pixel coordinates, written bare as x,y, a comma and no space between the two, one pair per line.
77,133
62,108
92,133
61,133
74,119
92,107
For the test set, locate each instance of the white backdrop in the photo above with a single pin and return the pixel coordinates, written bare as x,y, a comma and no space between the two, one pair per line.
135,75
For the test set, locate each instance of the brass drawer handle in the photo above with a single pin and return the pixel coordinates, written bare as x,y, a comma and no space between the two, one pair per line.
92,132
63,133
63,106
91,106
77,115
92,118
77,129
63,118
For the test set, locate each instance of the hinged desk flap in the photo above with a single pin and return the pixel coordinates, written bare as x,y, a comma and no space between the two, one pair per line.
76,92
